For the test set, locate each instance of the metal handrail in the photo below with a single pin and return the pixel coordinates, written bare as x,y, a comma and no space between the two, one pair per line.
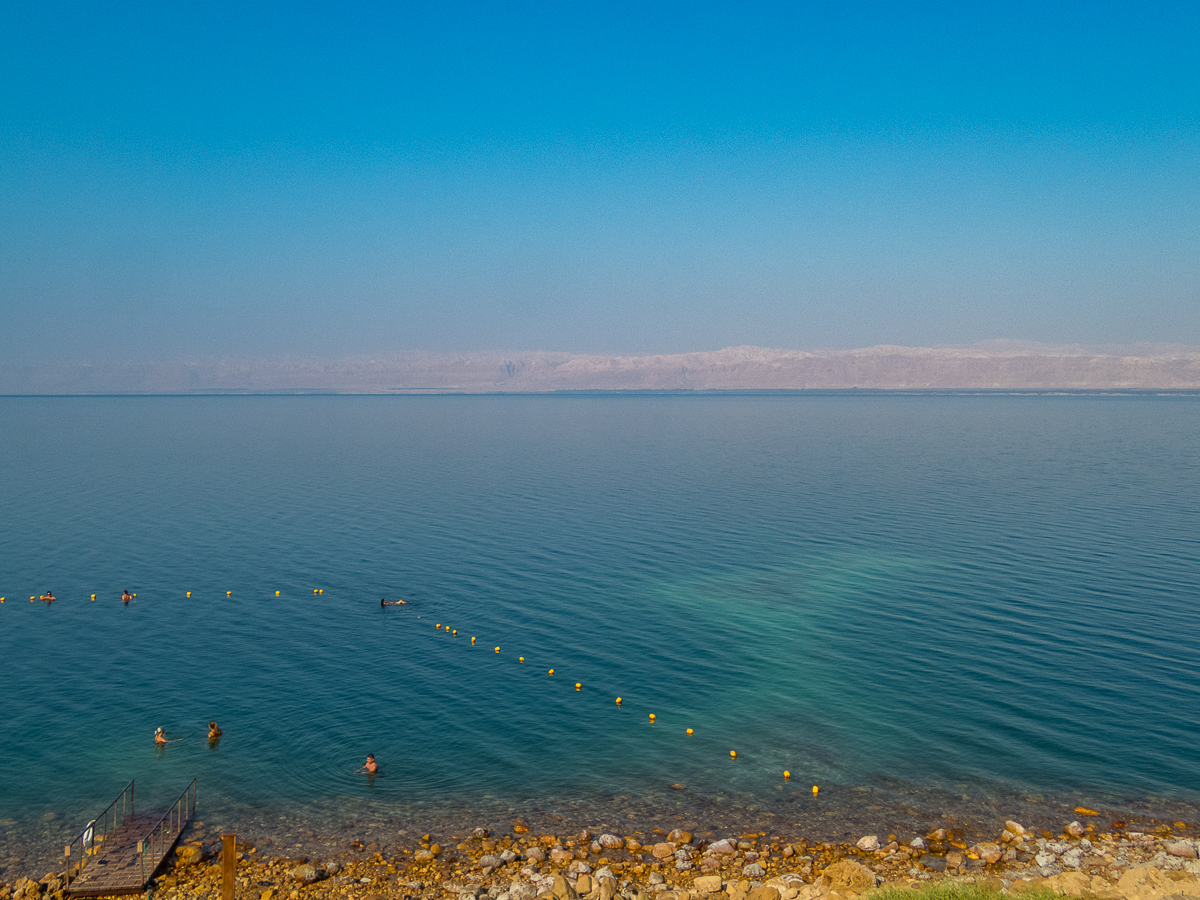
98,830
168,829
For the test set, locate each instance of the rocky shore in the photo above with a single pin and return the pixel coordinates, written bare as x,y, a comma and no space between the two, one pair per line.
1081,859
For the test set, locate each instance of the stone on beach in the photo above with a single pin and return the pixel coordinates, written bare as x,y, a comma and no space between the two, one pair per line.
849,877
869,842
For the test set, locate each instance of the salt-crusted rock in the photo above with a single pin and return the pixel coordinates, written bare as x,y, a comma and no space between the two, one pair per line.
520,890
754,870
611,842
917,843
508,856
1073,858
305,874
724,847
1045,858
679,836
683,865
1185,849
535,854
1014,828
579,867
561,856
655,878
1074,830
869,842
490,862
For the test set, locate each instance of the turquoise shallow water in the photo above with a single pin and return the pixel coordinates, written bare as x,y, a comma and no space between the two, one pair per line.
991,597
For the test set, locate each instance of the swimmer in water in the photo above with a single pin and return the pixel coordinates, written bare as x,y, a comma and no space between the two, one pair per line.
214,732
160,738
126,597
383,602
371,766
49,597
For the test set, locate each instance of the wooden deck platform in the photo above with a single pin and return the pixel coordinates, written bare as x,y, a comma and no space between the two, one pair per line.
117,867
121,858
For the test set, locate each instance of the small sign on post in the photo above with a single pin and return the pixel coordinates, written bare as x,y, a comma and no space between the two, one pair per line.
228,864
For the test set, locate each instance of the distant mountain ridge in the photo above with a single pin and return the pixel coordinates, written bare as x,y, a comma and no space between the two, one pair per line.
994,366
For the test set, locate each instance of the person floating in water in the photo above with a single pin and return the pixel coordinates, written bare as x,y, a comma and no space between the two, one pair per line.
371,766
383,602
126,597
160,738
49,597
214,732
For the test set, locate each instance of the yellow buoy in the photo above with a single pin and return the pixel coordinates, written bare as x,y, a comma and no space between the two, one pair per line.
618,701
227,594
277,593
314,590
472,639
135,595
497,649
438,625
551,671
30,599
689,731
1,599
651,717
93,596
578,686
520,659
815,789
733,754
786,774
456,632
321,591
189,593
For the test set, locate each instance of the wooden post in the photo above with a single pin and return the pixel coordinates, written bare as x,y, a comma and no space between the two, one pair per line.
228,864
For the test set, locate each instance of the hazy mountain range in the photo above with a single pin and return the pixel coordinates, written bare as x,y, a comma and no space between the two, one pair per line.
989,366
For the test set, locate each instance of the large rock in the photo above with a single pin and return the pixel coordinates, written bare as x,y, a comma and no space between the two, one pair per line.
708,884
508,856
1074,829
583,884
608,887
663,849
754,870
520,890
562,889
305,874
1014,828
1148,883
190,854
490,862
724,847
869,842
679,836
561,856
849,877
1185,849
536,854
579,867
1073,858
1076,884
611,842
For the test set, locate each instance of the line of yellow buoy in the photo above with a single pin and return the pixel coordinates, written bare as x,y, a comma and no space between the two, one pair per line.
787,775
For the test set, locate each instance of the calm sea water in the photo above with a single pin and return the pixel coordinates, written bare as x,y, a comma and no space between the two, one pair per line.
988,597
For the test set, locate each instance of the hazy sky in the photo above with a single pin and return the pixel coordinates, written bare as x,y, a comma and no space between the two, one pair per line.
245,178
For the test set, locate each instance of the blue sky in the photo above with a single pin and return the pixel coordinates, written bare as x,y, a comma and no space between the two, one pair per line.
621,177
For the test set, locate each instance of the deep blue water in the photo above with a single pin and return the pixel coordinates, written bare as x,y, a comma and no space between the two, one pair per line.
977,593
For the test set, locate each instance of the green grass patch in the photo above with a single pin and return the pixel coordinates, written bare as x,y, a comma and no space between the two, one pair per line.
955,890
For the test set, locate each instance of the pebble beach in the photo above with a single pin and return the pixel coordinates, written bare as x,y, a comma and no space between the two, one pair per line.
1088,856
